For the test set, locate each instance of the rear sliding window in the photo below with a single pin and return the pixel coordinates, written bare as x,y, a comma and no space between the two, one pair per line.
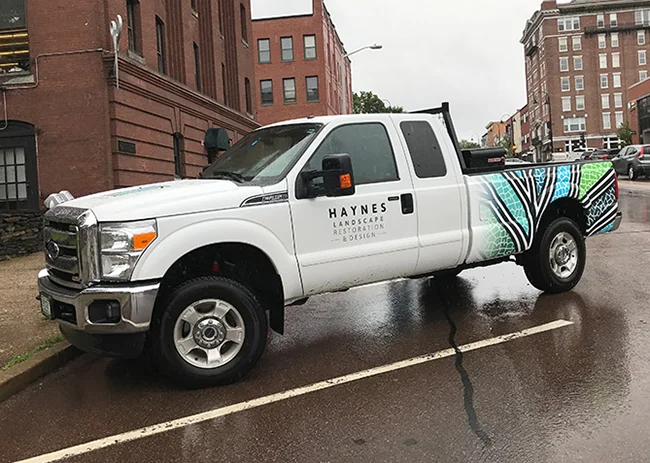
424,148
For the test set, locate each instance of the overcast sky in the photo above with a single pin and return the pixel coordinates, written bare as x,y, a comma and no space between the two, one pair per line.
466,52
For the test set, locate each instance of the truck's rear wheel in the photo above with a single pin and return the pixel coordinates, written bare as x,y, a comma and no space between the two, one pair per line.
557,259
212,331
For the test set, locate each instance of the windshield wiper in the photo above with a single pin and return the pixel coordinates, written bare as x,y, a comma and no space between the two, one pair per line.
229,175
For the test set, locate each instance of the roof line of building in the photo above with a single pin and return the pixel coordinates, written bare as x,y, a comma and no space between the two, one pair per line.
291,16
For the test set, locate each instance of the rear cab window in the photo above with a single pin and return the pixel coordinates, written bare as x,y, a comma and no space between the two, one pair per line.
424,149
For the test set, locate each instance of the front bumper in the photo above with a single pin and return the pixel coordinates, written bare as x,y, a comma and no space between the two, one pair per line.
136,305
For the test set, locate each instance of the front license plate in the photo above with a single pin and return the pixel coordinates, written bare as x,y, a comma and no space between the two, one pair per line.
46,307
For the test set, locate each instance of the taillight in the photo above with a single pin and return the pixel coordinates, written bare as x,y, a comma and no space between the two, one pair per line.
641,153
616,185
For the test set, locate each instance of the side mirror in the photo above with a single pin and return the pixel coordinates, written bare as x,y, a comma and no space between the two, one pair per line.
337,175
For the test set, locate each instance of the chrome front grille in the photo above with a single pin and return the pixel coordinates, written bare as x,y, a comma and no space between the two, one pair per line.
61,235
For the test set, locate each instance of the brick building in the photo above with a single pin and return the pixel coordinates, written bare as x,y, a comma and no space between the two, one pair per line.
495,133
301,66
184,66
581,59
525,130
639,111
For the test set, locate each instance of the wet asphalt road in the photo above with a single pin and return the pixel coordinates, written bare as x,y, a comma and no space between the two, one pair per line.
578,393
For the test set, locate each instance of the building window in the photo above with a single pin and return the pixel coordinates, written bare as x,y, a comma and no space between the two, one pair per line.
616,60
310,46
564,44
580,83
14,39
566,84
615,40
287,48
618,100
133,25
571,23
577,63
607,121
602,41
264,50
223,83
289,86
249,96
244,23
577,43
580,103
566,103
600,21
640,37
605,100
643,75
613,19
312,89
160,45
603,61
179,153
619,118
13,178
643,59
197,67
266,91
574,124
604,81
564,64
617,80
642,17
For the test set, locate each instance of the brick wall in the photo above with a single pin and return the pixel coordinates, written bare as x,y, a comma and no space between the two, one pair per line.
20,233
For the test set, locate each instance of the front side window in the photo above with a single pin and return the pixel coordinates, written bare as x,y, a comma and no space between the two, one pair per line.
14,39
424,148
312,89
289,86
264,156
264,51
266,91
286,44
369,147
310,47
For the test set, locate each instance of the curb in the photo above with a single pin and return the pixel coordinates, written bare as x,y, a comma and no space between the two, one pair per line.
31,370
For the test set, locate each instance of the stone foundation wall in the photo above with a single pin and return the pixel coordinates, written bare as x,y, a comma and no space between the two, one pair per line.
20,233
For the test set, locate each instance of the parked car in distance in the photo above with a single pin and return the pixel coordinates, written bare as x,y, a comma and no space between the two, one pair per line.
602,154
633,161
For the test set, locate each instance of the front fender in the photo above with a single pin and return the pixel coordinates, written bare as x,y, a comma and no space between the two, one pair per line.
177,240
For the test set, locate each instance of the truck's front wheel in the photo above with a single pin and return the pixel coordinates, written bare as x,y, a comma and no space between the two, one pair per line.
211,332
557,259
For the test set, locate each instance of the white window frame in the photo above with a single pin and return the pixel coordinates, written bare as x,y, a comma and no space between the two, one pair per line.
642,17
617,77
576,41
640,37
602,61
563,44
578,60
643,75
613,19
643,57
616,60
615,43
604,83
569,23
582,79
619,118
564,64
580,103
605,101
568,81
566,104
602,41
600,21
618,100
607,121
579,122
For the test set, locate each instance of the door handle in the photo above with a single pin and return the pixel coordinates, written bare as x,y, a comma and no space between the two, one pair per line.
407,204
393,198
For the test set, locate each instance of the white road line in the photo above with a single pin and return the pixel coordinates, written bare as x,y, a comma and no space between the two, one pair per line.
269,399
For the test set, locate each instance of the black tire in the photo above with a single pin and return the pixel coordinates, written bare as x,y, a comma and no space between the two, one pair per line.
631,173
170,361
537,263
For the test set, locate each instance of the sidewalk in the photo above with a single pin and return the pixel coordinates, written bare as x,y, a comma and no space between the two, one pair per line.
21,324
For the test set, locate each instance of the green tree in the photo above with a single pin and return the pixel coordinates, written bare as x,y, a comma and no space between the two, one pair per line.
506,144
369,103
468,145
625,133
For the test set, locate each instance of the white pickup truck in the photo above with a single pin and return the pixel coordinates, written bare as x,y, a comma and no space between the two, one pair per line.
187,270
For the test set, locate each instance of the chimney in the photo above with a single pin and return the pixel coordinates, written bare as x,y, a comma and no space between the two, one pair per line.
549,5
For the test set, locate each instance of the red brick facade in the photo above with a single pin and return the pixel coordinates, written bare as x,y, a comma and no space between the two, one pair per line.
640,91
326,66
80,116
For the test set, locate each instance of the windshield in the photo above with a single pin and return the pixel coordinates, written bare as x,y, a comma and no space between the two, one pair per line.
264,156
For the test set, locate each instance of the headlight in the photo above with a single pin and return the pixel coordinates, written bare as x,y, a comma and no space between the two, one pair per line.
122,244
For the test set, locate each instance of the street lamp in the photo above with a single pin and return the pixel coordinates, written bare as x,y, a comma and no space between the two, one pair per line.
344,75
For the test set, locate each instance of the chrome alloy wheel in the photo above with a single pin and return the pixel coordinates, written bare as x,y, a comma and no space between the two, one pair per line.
563,255
209,333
